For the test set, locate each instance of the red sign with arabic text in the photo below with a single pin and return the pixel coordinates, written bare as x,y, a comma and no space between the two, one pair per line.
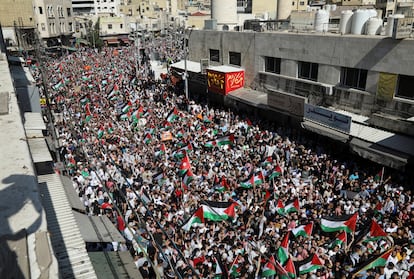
223,83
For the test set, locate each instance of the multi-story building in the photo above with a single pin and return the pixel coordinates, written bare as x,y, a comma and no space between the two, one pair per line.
18,23
365,78
107,7
83,7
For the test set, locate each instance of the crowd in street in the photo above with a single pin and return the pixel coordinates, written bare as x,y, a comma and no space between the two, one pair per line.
202,192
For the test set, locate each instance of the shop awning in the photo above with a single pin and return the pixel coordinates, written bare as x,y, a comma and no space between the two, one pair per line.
379,154
325,131
111,40
97,228
71,194
39,150
249,96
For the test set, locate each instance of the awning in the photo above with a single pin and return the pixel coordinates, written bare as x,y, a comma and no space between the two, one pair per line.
111,40
114,265
39,150
379,154
97,228
249,96
71,194
325,131
34,121
194,67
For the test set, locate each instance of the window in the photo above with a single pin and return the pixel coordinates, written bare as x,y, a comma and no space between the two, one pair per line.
355,78
121,26
272,65
405,87
109,26
214,55
43,26
68,11
308,70
70,27
235,58
40,10
302,3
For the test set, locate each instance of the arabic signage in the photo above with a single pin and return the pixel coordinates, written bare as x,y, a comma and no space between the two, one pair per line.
286,102
328,118
223,83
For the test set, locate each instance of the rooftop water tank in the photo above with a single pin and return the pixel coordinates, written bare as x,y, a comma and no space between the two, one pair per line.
321,21
374,26
359,20
225,12
390,24
345,22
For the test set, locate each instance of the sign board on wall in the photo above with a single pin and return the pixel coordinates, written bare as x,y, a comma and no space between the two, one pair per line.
328,118
204,64
286,102
402,28
386,86
224,82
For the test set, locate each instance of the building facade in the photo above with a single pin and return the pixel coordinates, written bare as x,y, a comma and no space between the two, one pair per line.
364,76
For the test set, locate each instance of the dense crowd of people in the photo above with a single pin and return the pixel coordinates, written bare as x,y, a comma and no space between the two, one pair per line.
162,168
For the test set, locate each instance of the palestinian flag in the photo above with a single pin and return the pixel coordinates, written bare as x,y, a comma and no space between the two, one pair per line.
188,177
199,260
58,85
124,116
161,151
110,129
184,166
280,208
85,78
339,223
220,269
275,173
375,261
270,268
293,206
222,185
196,217
226,140
290,269
341,240
310,264
88,112
375,232
283,250
235,269
138,114
147,139
101,132
218,211
127,107
159,178
180,153
210,144
303,230
114,92
267,161
173,115
253,180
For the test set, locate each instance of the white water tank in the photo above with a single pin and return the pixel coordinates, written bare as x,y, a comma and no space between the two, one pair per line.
374,26
225,12
390,24
321,21
284,9
345,22
359,20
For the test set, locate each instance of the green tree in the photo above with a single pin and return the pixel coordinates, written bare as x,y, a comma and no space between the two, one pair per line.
93,34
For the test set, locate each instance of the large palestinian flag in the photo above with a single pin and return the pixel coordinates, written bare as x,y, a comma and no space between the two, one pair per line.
375,261
218,211
283,251
341,240
310,264
197,217
370,232
303,230
270,268
293,206
339,223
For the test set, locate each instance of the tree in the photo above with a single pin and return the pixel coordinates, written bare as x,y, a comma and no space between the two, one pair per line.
93,34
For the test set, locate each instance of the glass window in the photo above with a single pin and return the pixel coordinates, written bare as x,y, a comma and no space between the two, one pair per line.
40,10
235,58
272,65
214,55
307,70
355,78
405,87
109,26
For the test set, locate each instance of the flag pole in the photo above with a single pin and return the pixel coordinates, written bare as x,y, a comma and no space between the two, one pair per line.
382,175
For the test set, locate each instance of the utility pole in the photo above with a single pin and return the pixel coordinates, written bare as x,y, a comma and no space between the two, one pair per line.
136,49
